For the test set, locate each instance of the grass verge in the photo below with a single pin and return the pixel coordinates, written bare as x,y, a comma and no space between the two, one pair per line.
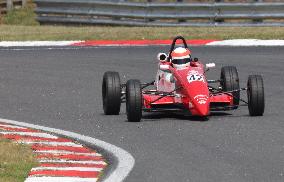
16,161
23,33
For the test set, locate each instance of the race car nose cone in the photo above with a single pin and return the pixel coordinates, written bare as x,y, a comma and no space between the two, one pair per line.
203,109
204,113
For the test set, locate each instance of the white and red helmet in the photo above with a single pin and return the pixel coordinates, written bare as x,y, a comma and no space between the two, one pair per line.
181,57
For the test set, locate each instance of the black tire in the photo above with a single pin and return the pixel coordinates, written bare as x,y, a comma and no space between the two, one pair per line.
230,81
111,92
133,101
255,94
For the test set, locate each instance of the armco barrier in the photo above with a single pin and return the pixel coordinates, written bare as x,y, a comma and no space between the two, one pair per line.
159,14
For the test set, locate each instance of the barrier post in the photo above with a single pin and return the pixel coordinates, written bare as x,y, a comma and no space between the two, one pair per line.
24,3
181,20
219,20
9,5
149,1
257,20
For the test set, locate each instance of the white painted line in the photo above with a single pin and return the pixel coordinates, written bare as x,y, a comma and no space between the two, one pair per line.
72,162
58,179
125,161
50,48
12,126
67,169
35,43
33,134
247,42
49,45
64,48
65,152
69,144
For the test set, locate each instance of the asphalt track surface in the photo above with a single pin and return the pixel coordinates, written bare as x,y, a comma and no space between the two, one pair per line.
61,88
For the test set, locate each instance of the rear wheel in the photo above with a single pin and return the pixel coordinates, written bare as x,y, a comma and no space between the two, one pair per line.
230,82
111,92
255,94
133,100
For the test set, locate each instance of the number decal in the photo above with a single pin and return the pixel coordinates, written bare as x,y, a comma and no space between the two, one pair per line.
195,76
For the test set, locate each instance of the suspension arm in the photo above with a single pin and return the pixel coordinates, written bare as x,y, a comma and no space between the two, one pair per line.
166,94
228,92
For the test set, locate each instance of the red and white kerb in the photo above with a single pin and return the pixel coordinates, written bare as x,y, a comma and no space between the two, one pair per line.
60,159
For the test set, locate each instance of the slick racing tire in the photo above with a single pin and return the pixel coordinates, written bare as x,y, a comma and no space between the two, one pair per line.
133,101
255,92
230,81
111,92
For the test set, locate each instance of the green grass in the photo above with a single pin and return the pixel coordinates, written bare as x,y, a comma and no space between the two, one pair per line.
22,33
23,16
16,161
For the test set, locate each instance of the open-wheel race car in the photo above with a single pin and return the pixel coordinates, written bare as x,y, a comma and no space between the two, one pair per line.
181,86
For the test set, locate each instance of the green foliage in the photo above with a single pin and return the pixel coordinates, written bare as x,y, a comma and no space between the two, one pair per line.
22,16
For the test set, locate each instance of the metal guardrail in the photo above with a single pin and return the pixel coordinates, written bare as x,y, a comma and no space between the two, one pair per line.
7,5
159,14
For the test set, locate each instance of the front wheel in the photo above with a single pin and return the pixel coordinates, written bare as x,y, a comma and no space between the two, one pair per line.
133,100
255,92
230,82
111,92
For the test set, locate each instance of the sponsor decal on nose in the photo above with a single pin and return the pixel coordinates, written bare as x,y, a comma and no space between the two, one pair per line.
201,99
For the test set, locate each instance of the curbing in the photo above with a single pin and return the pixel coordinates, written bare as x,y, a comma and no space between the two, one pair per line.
115,43
125,161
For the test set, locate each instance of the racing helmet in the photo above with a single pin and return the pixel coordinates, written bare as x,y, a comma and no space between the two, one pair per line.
181,57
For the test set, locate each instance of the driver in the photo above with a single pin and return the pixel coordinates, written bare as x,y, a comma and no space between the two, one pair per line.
181,57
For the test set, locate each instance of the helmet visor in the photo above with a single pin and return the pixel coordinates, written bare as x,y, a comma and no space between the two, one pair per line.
181,61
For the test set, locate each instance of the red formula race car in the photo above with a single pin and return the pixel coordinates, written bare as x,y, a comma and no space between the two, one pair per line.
181,86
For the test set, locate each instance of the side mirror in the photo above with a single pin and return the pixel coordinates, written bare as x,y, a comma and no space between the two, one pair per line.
162,57
210,65
164,67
